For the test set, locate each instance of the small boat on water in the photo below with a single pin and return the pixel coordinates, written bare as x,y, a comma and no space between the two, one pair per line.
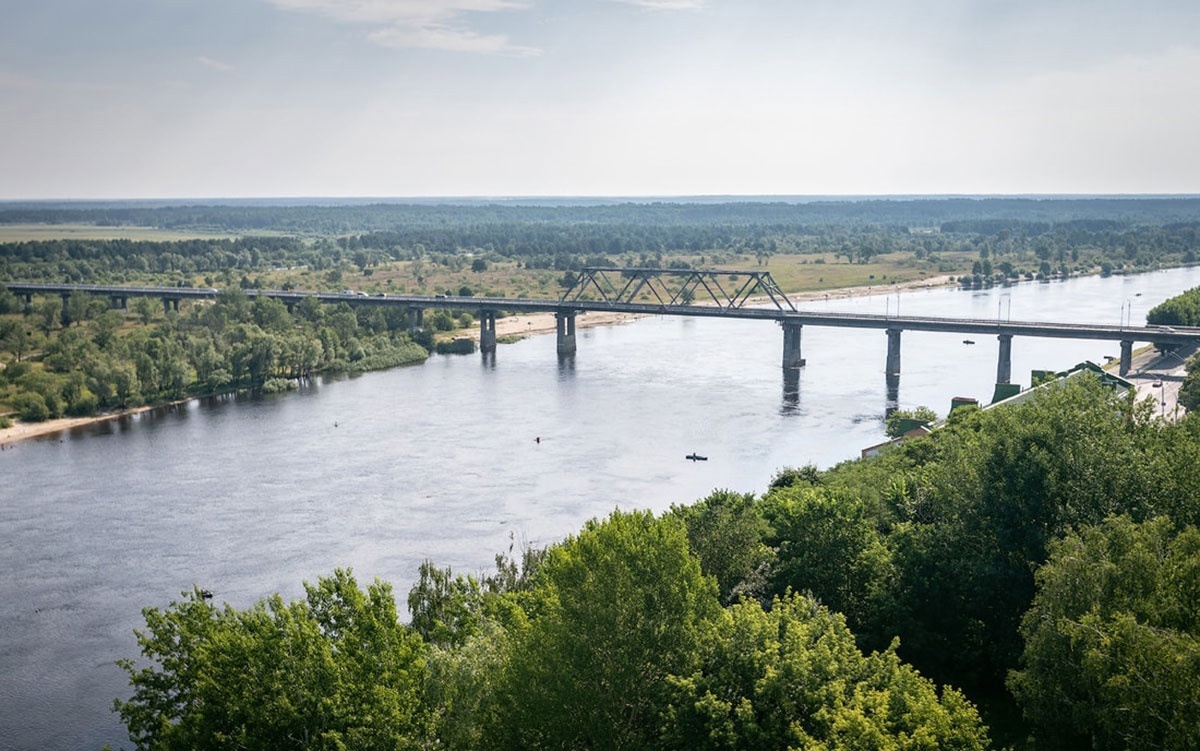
696,458
968,341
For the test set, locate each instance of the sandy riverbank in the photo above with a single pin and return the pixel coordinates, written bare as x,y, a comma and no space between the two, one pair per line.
511,326
23,430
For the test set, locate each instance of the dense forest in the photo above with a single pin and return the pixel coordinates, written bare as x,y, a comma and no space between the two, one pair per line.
86,357
1026,576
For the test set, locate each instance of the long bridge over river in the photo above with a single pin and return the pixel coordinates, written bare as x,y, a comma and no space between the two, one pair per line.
751,295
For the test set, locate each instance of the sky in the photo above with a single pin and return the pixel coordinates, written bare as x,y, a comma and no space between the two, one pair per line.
420,98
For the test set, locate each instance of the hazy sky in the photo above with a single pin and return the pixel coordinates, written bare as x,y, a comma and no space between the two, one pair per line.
216,98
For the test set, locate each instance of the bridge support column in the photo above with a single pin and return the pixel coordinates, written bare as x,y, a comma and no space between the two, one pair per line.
170,304
114,302
487,331
1126,357
791,346
63,315
565,321
1004,363
28,302
416,319
893,353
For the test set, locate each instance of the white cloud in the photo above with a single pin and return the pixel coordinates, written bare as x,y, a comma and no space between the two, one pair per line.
208,62
427,24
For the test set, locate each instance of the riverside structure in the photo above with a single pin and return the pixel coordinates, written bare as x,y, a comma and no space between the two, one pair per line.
642,291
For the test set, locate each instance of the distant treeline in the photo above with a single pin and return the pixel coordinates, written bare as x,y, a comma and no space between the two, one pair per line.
381,217
1067,236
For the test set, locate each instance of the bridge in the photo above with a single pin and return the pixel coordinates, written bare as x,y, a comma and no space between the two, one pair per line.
749,295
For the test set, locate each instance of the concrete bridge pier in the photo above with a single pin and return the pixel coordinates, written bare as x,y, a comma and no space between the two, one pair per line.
416,319
28,302
565,323
1004,364
893,353
487,331
170,303
63,315
791,346
1126,357
118,303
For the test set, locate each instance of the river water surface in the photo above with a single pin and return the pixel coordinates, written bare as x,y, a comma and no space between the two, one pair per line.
250,496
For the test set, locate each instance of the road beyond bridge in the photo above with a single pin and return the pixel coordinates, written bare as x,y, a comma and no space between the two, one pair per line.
751,295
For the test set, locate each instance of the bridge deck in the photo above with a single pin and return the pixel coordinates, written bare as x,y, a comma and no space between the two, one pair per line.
1158,334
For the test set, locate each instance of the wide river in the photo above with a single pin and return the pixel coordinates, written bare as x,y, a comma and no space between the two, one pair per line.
250,496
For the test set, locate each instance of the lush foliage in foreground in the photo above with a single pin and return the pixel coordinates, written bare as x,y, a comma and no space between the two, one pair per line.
1049,549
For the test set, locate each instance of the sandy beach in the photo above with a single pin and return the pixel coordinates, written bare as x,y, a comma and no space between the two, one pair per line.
511,326
22,430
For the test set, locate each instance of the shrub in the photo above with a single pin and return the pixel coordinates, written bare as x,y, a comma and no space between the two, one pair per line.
30,407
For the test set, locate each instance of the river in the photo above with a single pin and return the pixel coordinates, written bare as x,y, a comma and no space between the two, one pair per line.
249,496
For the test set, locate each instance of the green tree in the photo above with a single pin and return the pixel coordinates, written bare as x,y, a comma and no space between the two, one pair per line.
15,337
9,303
105,328
726,531
335,670
998,487
79,307
144,308
31,406
1112,641
1189,390
614,611
902,420
48,314
792,677
828,545
446,609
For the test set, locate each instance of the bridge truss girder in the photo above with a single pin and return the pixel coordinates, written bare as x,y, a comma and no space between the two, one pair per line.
624,286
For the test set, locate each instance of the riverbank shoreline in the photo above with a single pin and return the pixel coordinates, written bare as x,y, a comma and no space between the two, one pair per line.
21,431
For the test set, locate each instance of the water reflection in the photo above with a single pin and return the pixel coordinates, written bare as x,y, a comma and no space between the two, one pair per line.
893,394
566,365
791,392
